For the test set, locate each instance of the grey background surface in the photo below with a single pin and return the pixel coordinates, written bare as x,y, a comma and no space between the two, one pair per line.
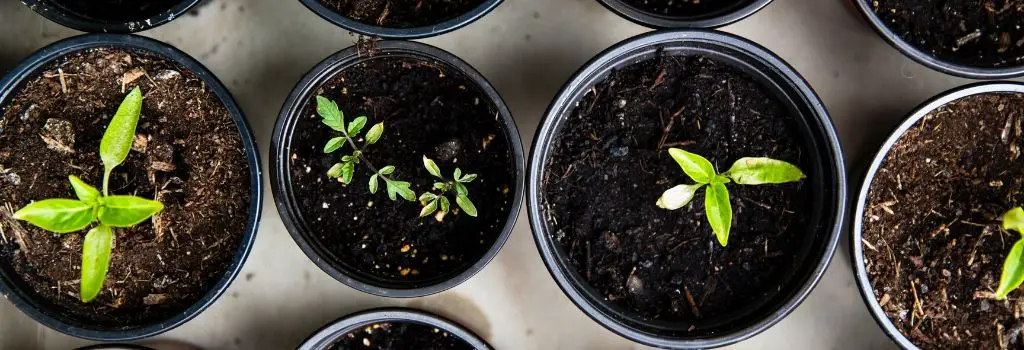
527,49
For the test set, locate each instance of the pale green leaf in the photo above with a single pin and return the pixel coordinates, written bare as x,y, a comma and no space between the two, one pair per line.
84,191
677,197
348,170
696,167
458,174
426,197
467,178
58,215
335,171
331,114
428,209
356,126
373,183
757,171
461,189
1014,220
443,204
334,144
466,205
432,167
95,261
719,211
117,140
374,134
387,170
440,186
1013,271
127,211
400,188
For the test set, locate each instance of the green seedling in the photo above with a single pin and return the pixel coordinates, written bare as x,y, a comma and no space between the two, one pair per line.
438,204
746,171
343,171
1013,267
71,215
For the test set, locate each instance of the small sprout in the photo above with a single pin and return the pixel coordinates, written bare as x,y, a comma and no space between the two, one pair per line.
344,171
70,215
1013,267
438,204
746,171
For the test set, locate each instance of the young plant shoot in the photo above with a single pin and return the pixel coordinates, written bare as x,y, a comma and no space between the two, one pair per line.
70,215
746,171
1013,267
438,204
335,119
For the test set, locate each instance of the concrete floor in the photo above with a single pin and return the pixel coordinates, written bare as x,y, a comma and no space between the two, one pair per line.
528,49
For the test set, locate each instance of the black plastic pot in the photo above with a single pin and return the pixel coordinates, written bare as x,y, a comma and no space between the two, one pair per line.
333,331
115,347
281,183
707,21
401,33
105,20
827,183
856,247
23,297
926,59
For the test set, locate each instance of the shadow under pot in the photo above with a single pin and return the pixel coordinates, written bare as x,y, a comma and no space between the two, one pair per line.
401,19
653,122
669,14
398,172
393,328
959,37
111,16
928,246
144,268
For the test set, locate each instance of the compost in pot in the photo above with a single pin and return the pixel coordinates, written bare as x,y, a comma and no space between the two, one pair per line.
686,8
401,13
933,247
116,10
373,199
610,164
398,336
186,153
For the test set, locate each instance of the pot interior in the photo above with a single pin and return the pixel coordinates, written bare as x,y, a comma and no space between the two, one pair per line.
115,10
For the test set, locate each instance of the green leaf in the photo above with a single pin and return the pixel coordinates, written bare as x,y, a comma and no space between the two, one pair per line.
719,211
458,174
427,196
1013,271
334,144
95,261
333,117
84,191
373,183
428,209
387,170
117,140
677,197
58,215
696,167
467,179
374,134
400,188
1014,220
127,211
757,171
440,186
356,126
335,171
348,170
443,203
461,189
432,167
466,205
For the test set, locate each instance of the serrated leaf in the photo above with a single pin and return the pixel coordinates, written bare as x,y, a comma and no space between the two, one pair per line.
461,189
331,114
335,171
400,188
431,167
719,211
757,171
95,261
696,167
117,140
468,178
1013,271
373,183
334,144
356,126
466,205
58,215
443,204
387,170
428,209
127,211
84,191
348,170
374,134
1014,220
677,197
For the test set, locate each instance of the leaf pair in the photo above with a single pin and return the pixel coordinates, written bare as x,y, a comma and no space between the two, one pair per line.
746,171
1013,267
438,202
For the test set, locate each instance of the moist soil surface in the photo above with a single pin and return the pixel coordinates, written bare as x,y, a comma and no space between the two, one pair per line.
401,13
428,109
687,8
932,244
400,336
983,33
610,164
187,154
117,10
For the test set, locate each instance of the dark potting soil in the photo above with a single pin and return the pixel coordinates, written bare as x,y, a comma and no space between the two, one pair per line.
400,336
985,33
932,244
117,10
687,8
428,109
401,13
187,154
610,164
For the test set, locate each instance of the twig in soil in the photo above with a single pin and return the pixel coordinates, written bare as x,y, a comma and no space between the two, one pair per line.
660,79
63,81
974,250
693,304
917,302
384,13
868,244
893,257
7,217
